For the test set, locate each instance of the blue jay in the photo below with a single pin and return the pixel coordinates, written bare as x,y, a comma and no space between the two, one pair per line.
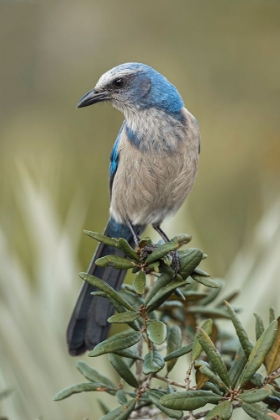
153,166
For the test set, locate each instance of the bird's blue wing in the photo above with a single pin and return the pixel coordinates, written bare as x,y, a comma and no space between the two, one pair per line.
114,159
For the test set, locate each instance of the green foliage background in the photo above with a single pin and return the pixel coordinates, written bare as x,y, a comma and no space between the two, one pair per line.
224,58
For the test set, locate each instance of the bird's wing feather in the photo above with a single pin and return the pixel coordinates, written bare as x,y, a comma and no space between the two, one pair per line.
114,159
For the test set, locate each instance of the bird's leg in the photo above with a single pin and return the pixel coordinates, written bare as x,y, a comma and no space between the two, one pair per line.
134,234
175,255
161,233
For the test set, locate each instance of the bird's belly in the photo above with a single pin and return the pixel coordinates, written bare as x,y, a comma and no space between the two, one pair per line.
147,188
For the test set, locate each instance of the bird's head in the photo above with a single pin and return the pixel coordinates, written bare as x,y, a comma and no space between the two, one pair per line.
133,87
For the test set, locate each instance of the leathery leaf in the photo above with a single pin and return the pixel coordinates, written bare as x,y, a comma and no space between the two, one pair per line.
197,348
258,354
156,331
121,413
139,283
115,261
217,363
153,362
84,387
161,251
256,411
104,287
117,342
189,259
127,316
240,331
254,396
222,411
154,396
174,342
189,400
123,370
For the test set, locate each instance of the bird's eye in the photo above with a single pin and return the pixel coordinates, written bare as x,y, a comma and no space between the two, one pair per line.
119,83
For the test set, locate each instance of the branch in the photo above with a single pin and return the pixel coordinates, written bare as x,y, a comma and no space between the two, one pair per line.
169,381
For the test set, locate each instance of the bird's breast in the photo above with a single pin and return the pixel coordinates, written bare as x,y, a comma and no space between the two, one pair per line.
152,183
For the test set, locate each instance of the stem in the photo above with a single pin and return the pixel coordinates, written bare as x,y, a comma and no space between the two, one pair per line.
139,363
169,381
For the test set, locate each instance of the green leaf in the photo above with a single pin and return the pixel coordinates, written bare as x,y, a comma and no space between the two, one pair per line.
257,412
201,272
161,282
154,396
93,375
272,360
161,251
189,400
139,283
128,353
193,295
257,380
237,366
272,316
189,259
254,396
115,261
205,281
84,387
102,238
212,293
259,326
180,352
197,349
211,387
132,299
240,331
163,293
103,407
258,354
156,331
153,362
206,371
124,317
117,342
174,342
121,413
104,287
123,370
128,250
121,397
214,313
182,239
217,363
222,411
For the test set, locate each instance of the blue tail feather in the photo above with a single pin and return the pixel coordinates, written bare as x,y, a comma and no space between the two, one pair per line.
88,325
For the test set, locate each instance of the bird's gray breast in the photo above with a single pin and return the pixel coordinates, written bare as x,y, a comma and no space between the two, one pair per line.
155,176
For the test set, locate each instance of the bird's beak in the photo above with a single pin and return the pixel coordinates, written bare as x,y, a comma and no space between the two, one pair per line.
92,97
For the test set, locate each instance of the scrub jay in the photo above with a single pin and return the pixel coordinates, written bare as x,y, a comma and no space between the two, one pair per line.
153,166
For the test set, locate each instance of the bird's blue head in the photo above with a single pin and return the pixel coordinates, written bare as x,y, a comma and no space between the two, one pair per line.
132,87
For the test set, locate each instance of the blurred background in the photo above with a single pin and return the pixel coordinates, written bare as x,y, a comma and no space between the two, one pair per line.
224,58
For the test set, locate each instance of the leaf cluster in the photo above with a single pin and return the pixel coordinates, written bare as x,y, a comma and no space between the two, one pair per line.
169,315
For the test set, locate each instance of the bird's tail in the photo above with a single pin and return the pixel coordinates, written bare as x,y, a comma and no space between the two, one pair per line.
88,325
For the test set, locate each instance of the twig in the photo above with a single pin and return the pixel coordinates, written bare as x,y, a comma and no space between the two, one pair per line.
169,381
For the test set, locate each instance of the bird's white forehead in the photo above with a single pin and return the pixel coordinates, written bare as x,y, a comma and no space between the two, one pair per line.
119,71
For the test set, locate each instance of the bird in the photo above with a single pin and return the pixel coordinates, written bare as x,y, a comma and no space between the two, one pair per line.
153,166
